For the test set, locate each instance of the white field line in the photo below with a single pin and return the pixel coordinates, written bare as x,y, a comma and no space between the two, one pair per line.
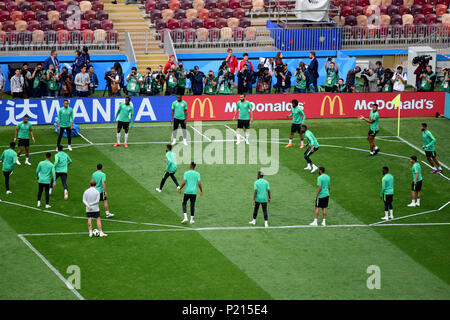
146,126
442,175
54,150
34,208
420,150
86,139
444,206
51,267
46,145
235,132
196,130
362,150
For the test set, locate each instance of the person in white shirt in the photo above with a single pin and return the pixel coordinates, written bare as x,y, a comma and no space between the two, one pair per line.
2,83
82,81
270,64
91,198
399,80
17,83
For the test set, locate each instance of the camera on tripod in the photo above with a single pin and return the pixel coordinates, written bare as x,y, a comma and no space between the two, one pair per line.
422,59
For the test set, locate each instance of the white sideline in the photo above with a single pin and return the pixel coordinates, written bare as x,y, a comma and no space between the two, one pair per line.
51,267
420,150
235,132
441,174
34,208
86,139
200,133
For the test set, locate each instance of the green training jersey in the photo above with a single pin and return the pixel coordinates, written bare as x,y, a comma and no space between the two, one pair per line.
331,78
65,117
387,184
324,182
45,172
62,160
51,83
209,88
301,83
8,158
416,169
171,162
99,177
374,125
312,141
387,86
192,178
261,186
244,109
24,130
171,79
181,81
424,84
133,85
428,141
125,113
298,116
178,109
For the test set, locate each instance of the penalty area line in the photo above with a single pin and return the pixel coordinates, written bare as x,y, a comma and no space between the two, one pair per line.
420,150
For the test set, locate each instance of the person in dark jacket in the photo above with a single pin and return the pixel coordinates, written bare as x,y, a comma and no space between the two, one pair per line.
350,80
53,59
93,85
85,56
244,80
313,74
77,64
196,78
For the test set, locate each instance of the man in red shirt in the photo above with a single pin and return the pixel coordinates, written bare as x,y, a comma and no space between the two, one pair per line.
245,61
232,62
169,63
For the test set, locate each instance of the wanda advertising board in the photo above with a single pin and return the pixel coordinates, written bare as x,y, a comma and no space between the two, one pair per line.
319,105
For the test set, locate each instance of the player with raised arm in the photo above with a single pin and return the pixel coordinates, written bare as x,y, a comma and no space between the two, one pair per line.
417,182
430,150
322,196
387,194
23,131
245,116
298,118
100,177
179,118
65,123
45,174
313,146
91,198
62,161
373,121
171,168
125,116
8,159
261,197
191,181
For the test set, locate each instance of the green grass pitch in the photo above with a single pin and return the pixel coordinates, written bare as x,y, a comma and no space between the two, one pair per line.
148,255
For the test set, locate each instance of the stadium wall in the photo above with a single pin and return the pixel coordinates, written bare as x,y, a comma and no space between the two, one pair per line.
447,106
222,107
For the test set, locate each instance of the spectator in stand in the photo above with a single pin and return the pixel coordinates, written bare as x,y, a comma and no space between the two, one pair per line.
38,78
113,82
196,78
119,71
86,57
341,86
52,78
372,80
445,85
134,81
300,74
379,71
2,83
428,78
353,89
245,61
244,80
269,63
232,62
400,79
312,73
226,83
17,84
332,75
171,81
284,80
82,82
158,80
211,83
418,72
53,59
181,77
77,64
264,81
279,59
169,63
147,82
27,88
93,81
66,80
351,77
387,81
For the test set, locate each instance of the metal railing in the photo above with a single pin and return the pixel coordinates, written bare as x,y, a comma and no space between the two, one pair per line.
168,44
129,49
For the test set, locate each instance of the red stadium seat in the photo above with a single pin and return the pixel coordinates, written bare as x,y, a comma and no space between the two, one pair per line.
179,14
346,11
209,23
416,9
227,13
94,24
392,10
185,24
244,23
203,14
396,20
40,15
25,37
60,7
162,5
97,5
427,9
430,19
397,2
2,37
8,26
48,6
234,4
174,5
33,25
58,25
238,34
75,36
107,25
46,25
419,19
246,4
189,35
64,15
215,13
87,36
239,13
3,6
160,24
221,23
84,24
363,3
90,15
177,35
4,16
403,10
12,6
24,6
150,5
383,10
102,15
420,2
210,4
350,21
358,10
155,15
62,36
222,4
186,4
50,36
214,34
197,23
173,24
112,36
13,38
37,6
28,15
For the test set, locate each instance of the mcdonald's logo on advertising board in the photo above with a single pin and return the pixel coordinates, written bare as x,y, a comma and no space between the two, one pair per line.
332,102
202,105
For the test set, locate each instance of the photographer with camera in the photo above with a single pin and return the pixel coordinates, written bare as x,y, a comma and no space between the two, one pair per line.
171,81
379,71
428,78
66,81
332,75
181,76
264,81
38,81
196,77
283,84
158,80
211,83
387,81
113,82
52,82
300,84
134,81
244,80
445,85
350,79
225,83
400,79
27,81
370,80
147,82
422,62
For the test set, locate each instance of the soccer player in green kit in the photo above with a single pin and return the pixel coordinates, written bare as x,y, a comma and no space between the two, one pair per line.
45,174
261,197
125,115
191,181
8,159
373,120
100,178
245,116
417,182
23,131
179,117
430,149
171,168
387,194
313,146
298,118
65,123
62,161
322,196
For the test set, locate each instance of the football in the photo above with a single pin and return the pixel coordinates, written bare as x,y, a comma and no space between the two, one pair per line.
96,233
